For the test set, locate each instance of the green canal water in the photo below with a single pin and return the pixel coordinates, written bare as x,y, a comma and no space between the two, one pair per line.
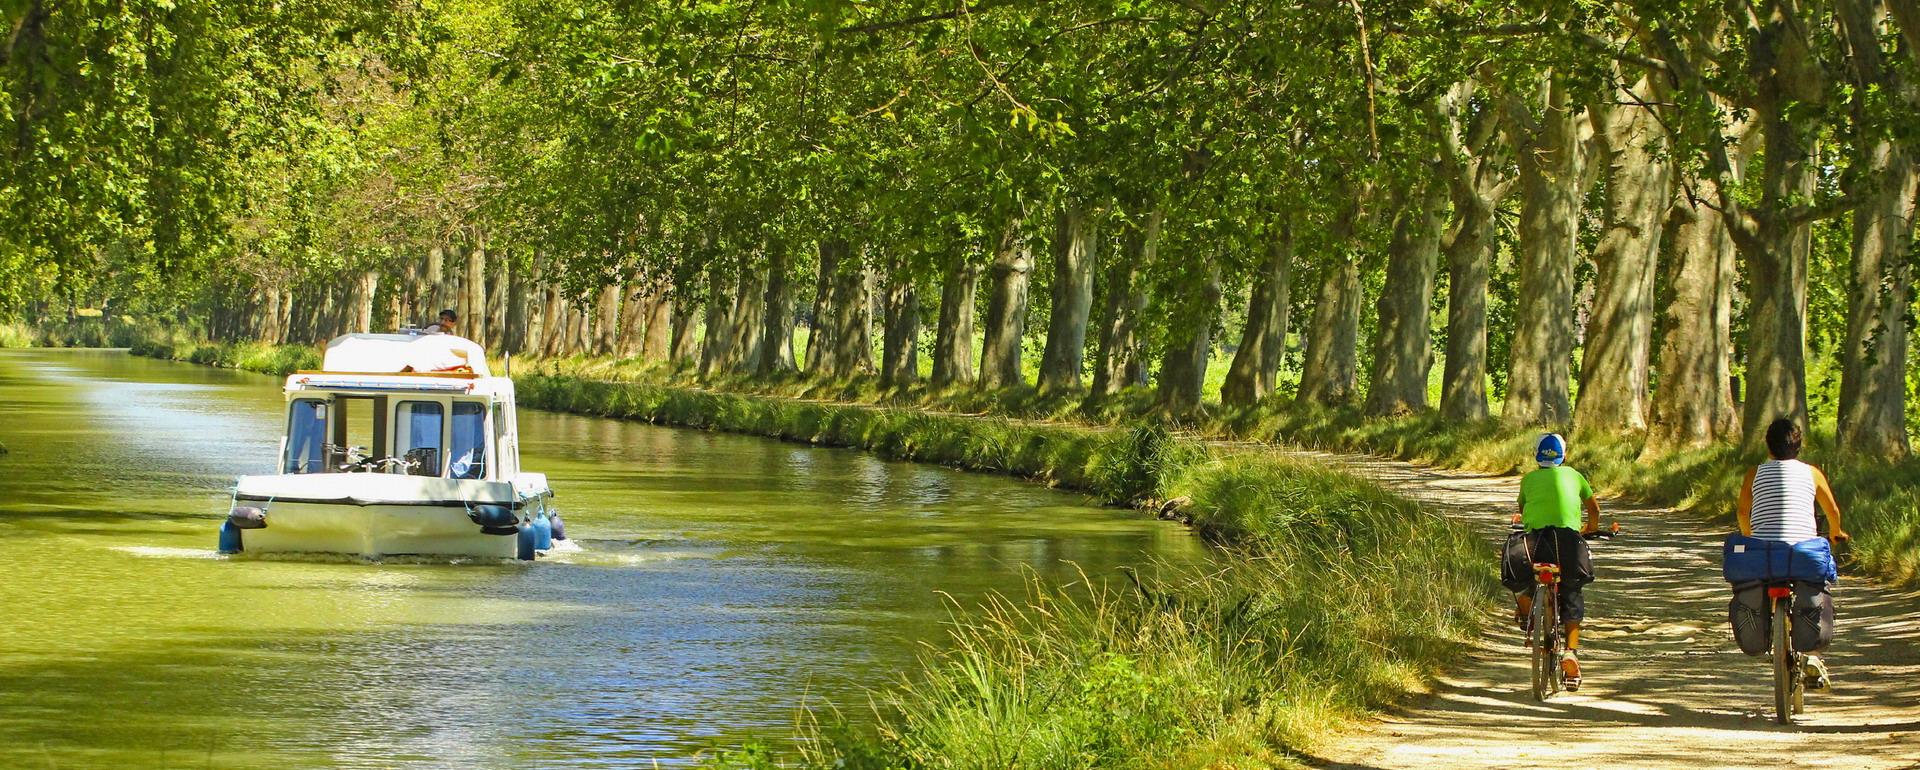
722,584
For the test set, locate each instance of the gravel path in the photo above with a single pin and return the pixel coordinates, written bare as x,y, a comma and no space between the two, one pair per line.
1664,685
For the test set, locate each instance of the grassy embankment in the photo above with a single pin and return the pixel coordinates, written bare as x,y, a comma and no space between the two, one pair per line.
1881,498
82,331
260,357
1334,597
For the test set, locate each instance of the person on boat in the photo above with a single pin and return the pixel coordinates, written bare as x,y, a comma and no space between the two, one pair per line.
448,324
1777,501
1552,499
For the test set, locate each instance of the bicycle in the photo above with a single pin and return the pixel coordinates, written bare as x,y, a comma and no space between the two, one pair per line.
1789,687
1544,632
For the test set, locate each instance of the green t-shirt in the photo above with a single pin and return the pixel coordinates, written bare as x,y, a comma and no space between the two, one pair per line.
1551,497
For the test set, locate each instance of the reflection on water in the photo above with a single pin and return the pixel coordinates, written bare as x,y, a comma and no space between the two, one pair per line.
720,583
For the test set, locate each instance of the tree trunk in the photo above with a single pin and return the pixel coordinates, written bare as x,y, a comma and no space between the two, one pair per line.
496,309
532,300
852,313
1477,160
1403,350
607,323
1776,383
363,300
439,295
776,325
271,330
1694,403
1121,359
1263,341
1330,373
953,335
744,322
1183,371
820,342
473,317
684,344
658,345
1006,310
634,309
554,322
1463,394
1615,361
1074,263
1873,387
1873,379
1551,175
900,338
718,348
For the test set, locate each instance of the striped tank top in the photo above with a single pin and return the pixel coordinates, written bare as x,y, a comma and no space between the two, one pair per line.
1783,501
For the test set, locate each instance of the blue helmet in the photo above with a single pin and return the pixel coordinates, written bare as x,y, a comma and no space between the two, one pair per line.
1551,451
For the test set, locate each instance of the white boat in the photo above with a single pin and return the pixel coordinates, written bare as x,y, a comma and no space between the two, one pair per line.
400,444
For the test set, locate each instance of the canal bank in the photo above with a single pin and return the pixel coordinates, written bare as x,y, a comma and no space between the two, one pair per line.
1333,599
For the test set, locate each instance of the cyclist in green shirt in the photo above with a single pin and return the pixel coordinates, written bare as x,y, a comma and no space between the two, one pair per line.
1552,501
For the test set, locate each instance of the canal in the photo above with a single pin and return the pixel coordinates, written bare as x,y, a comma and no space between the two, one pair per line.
722,584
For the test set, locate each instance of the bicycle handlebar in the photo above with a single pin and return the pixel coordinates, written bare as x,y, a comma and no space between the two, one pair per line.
1604,534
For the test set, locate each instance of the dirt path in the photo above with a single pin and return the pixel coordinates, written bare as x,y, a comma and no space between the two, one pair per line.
1664,685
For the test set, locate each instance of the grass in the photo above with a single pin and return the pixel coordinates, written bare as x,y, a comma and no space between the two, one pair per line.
83,331
17,335
280,360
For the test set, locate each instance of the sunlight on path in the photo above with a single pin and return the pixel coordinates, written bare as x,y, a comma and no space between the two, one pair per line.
1664,684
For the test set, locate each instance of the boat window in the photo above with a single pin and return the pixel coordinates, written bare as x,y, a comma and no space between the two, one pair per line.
502,444
469,451
416,435
307,436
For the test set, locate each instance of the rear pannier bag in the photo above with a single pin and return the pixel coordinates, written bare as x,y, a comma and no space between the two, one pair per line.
1750,615
1812,617
1547,545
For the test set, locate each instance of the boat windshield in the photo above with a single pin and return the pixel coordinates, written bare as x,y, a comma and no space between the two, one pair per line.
469,450
416,435
307,436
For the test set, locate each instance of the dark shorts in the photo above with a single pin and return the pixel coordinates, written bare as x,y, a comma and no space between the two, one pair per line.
1550,545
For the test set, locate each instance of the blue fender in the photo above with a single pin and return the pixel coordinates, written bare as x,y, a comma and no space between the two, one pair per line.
542,533
559,527
229,537
525,547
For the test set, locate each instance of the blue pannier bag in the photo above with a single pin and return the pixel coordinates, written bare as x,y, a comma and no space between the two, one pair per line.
1746,559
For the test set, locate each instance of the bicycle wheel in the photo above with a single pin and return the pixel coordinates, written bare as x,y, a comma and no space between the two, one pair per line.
1537,644
1551,599
1783,673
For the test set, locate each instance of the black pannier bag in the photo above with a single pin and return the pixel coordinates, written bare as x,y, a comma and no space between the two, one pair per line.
1751,614
1812,617
1554,545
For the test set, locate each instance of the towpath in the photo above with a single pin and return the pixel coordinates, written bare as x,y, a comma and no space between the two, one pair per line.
1664,685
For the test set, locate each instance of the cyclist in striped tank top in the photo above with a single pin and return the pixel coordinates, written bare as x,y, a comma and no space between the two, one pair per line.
1777,503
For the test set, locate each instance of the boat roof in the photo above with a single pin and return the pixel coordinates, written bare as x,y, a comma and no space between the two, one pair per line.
407,362
405,353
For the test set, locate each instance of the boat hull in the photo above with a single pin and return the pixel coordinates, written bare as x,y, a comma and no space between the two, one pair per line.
374,531
380,514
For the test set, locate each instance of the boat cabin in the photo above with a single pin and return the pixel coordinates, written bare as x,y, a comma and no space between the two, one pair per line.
411,404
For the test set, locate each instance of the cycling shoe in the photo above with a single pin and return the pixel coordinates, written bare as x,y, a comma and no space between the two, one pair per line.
1815,671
